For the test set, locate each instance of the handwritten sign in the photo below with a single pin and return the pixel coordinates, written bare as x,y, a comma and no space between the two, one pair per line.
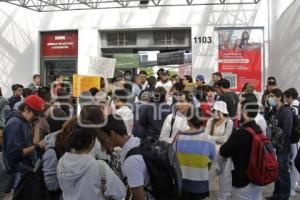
84,83
100,66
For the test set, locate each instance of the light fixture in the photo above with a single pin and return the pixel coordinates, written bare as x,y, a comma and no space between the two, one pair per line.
222,1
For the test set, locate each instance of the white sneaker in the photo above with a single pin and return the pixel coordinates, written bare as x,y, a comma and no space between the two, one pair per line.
293,193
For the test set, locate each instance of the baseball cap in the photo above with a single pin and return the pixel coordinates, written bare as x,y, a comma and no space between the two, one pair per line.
200,77
35,102
161,70
272,80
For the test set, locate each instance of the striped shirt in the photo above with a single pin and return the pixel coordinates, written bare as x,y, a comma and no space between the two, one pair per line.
195,150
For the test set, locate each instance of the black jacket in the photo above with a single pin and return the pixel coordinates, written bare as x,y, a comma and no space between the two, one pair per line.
238,147
232,100
153,118
283,118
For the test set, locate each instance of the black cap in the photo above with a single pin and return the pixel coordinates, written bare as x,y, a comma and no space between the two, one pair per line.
160,71
272,80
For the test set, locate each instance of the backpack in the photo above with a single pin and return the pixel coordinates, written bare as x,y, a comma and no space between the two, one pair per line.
295,135
163,167
32,185
263,167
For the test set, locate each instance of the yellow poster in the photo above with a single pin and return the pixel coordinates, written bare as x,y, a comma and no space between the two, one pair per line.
84,83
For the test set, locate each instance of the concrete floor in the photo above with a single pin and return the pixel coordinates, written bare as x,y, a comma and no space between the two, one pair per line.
267,191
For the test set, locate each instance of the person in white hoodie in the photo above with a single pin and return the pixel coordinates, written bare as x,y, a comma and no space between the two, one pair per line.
176,121
291,98
81,176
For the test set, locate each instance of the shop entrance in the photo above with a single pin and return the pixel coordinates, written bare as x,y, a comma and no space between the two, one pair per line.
66,67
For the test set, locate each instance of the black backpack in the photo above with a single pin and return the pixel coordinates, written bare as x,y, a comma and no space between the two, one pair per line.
32,185
295,135
163,167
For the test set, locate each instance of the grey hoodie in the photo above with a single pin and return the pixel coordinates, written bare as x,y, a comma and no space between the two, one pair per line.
79,178
50,162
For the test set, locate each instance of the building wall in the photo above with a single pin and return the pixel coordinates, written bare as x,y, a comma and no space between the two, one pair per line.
285,43
19,47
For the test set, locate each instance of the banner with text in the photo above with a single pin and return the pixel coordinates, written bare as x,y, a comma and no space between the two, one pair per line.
100,66
240,57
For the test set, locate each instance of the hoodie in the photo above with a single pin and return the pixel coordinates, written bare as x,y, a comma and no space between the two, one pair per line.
50,161
79,178
17,135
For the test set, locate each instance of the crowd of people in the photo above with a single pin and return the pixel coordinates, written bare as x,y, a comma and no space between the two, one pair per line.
153,138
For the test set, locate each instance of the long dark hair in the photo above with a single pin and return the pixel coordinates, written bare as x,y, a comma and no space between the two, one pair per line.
63,137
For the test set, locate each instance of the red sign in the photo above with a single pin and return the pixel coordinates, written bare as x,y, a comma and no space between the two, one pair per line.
240,67
59,44
240,58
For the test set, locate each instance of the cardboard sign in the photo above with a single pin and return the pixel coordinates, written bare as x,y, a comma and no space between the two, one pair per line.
100,66
84,83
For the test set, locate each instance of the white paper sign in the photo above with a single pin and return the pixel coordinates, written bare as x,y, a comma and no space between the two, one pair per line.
101,66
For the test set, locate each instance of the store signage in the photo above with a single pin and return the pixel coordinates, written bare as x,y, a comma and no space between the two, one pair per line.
127,60
100,66
84,83
59,44
170,58
240,57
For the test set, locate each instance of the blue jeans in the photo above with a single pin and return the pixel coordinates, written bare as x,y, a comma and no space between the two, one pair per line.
283,183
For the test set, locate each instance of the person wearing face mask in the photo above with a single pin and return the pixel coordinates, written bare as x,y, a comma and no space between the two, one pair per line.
128,76
281,116
220,127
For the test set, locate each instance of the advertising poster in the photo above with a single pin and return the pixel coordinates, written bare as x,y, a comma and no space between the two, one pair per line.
240,57
84,83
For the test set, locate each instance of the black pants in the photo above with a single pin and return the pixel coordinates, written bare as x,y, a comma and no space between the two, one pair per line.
193,196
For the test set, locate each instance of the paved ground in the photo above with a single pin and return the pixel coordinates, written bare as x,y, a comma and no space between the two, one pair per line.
267,191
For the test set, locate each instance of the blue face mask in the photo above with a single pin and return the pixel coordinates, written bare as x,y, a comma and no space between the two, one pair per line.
272,102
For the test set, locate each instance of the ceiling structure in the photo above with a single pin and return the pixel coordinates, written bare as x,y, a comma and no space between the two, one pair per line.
65,5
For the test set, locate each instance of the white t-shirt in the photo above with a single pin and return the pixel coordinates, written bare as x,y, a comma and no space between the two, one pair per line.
167,85
127,115
134,167
180,124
